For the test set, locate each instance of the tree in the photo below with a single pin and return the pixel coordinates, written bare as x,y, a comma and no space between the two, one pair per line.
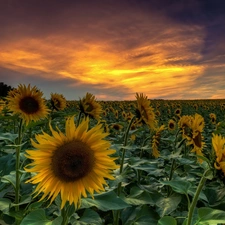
4,89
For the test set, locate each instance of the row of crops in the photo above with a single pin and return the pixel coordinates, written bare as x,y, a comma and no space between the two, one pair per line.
157,162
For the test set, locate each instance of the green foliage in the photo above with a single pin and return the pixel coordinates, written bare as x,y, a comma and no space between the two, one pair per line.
155,191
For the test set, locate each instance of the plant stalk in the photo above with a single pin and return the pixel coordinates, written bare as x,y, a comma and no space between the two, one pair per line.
195,199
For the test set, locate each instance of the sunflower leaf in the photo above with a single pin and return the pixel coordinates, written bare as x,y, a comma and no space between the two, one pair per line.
8,137
37,217
167,220
89,217
106,201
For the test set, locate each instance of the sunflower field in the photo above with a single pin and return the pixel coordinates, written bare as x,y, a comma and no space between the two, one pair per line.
90,162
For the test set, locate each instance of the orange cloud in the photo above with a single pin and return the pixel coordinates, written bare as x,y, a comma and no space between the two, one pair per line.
154,67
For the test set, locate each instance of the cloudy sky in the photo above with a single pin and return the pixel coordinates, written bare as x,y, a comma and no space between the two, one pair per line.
114,48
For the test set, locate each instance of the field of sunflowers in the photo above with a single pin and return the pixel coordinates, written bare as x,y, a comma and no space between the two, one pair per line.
90,162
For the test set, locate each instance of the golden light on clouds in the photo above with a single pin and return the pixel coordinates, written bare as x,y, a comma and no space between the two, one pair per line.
137,70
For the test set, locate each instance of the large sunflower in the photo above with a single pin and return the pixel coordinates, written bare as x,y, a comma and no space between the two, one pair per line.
144,111
90,107
58,101
71,163
28,103
218,143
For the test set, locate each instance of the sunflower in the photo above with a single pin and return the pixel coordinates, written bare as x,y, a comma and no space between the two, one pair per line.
2,105
197,138
116,126
28,103
185,126
155,141
178,112
71,164
58,101
90,107
213,118
144,111
171,125
116,114
218,143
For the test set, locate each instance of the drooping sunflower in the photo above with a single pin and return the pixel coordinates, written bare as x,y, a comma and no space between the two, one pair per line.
58,101
144,111
197,139
156,141
71,164
28,103
185,126
218,143
90,107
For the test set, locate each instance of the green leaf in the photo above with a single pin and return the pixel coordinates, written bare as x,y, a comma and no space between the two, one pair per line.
8,137
168,205
106,201
4,204
37,217
7,164
179,186
141,215
209,216
89,217
138,197
11,178
167,220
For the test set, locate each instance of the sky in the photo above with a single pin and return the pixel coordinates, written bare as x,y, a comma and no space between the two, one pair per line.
166,49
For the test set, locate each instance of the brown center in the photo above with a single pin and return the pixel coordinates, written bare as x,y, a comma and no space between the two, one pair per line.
198,140
29,105
72,161
171,125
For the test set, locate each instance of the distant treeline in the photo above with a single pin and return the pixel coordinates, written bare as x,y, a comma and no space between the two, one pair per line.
4,89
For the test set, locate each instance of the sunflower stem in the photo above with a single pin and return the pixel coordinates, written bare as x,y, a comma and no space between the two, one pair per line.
117,213
195,199
64,214
146,139
18,149
79,118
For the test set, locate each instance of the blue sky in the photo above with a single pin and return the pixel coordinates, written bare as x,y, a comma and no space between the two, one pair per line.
166,49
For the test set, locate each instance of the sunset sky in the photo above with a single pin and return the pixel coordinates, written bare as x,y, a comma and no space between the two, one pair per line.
167,49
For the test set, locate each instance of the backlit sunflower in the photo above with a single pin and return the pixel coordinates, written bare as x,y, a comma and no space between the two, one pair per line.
144,111
218,143
71,164
90,107
58,101
28,103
